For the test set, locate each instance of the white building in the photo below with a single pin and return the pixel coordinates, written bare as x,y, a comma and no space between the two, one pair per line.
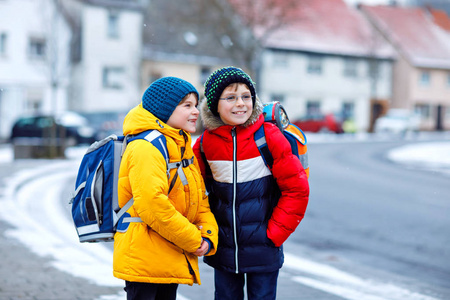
328,61
34,60
80,55
106,54
318,82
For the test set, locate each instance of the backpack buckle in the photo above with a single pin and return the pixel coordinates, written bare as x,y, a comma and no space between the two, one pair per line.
185,162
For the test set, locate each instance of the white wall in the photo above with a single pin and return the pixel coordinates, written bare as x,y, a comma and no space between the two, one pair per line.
331,87
22,77
99,51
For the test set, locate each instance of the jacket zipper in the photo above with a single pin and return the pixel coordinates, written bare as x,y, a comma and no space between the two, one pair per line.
233,134
191,271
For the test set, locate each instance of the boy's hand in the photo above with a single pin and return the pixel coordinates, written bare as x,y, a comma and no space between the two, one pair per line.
204,247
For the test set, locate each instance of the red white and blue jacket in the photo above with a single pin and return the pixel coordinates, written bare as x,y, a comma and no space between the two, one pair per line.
256,208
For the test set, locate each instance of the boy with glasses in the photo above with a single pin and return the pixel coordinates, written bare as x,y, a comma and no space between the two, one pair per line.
256,208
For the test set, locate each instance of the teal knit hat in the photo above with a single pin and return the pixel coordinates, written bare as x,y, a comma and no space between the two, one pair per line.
220,79
163,96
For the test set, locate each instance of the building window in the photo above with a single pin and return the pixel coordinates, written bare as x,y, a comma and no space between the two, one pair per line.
350,67
1,105
33,105
348,110
204,74
277,97
374,69
424,78
423,110
37,48
313,107
113,25
113,77
314,64
3,40
280,60
447,112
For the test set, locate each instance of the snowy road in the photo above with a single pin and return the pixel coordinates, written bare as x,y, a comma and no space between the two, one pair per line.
32,203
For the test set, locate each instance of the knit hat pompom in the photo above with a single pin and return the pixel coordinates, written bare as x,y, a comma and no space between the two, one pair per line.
163,96
220,79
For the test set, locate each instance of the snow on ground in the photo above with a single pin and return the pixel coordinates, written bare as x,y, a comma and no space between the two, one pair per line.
433,156
428,155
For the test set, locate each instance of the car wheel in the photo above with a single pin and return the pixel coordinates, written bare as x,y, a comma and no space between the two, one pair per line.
324,130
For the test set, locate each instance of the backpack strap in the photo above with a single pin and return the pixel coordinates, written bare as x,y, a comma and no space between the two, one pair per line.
159,141
291,137
156,138
125,208
261,143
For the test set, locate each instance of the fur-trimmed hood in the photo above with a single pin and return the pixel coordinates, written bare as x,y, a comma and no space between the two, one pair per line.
211,122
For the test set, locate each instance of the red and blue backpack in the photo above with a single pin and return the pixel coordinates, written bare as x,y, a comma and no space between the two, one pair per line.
275,113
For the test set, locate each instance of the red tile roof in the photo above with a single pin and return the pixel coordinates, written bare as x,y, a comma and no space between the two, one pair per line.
413,34
441,19
327,26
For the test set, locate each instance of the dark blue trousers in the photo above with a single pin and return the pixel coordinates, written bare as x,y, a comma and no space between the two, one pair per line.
260,286
150,291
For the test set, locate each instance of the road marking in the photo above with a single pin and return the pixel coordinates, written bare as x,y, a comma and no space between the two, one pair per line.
345,285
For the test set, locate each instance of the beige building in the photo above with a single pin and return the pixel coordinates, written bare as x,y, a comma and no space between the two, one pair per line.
192,68
421,74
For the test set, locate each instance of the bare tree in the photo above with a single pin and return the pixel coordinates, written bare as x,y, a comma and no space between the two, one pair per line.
56,65
246,24
233,29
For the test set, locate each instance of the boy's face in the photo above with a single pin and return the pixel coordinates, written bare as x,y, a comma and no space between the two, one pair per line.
235,112
185,115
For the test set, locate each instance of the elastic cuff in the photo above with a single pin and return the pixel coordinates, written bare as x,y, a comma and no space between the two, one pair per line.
209,244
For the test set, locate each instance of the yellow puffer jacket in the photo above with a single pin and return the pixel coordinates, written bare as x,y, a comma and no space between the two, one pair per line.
159,250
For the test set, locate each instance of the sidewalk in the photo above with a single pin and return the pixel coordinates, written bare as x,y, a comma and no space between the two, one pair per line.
25,275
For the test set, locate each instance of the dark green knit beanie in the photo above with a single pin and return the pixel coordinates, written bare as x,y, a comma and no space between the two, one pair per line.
220,79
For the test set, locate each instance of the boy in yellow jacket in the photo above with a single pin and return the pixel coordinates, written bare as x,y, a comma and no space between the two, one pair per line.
176,226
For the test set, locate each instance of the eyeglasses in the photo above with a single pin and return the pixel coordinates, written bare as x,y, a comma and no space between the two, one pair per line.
234,98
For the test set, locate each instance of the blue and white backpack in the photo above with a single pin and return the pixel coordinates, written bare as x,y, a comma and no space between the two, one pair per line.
95,209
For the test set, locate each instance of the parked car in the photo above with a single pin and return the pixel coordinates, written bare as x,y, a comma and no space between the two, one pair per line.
398,121
105,123
319,123
70,126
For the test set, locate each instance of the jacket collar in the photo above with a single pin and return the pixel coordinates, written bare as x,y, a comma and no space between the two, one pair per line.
139,119
212,122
